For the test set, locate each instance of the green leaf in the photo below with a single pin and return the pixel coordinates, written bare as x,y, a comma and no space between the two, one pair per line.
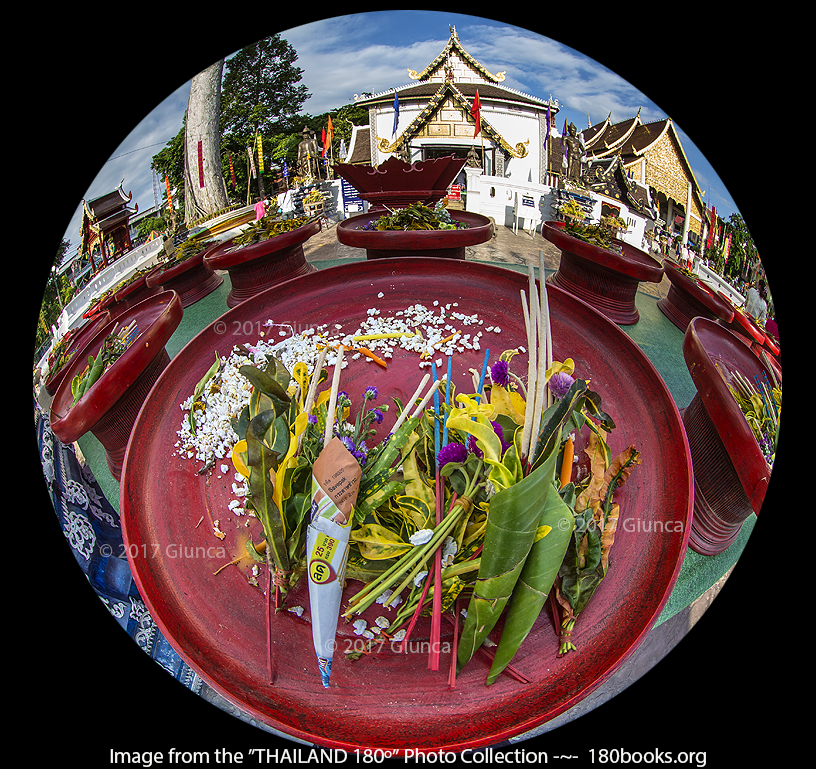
262,462
512,522
536,580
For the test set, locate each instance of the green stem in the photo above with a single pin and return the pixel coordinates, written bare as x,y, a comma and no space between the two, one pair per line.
412,561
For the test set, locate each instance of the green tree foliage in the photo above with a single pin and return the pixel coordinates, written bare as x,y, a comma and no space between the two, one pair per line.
260,92
51,305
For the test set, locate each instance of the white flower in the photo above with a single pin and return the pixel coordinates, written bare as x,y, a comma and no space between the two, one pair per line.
382,622
419,577
359,627
296,610
421,537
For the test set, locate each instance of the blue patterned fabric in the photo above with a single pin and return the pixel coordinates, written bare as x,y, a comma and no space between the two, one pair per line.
91,527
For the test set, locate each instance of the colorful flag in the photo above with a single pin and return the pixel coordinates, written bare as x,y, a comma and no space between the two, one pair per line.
200,163
330,132
169,199
232,170
712,228
260,155
396,113
475,113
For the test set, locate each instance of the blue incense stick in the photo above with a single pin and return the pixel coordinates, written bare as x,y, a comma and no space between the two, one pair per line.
436,412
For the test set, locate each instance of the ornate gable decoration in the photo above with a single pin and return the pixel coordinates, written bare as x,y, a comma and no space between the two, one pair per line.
437,101
454,46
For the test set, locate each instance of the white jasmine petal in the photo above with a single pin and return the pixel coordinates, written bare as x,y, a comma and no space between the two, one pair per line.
421,537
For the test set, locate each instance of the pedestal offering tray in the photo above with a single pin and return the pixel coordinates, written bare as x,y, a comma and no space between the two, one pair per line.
108,409
387,700
730,472
255,267
380,244
605,279
689,298
136,291
396,183
746,329
79,338
192,279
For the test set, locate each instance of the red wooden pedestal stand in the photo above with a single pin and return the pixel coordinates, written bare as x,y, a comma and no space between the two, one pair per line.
381,244
604,279
79,338
688,299
730,473
192,279
109,408
388,700
256,267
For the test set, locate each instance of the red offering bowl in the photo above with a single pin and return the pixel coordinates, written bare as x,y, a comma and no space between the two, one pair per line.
136,291
689,298
745,328
397,184
79,338
730,472
192,279
108,409
604,279
389,700
256,267
380,244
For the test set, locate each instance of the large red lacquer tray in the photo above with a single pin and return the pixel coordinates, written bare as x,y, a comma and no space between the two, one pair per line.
392,701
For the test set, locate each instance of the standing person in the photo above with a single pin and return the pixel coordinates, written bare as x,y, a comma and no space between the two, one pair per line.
755,302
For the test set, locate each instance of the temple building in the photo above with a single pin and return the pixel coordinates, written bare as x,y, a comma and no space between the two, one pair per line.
104,234
651,167
435,117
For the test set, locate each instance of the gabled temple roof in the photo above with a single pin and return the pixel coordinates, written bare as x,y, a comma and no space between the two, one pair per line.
631,139
443,91
453,45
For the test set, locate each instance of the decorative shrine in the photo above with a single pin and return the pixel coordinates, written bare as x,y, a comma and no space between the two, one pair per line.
104,231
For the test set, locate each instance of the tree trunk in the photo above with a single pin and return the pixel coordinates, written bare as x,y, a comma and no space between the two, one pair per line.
204,189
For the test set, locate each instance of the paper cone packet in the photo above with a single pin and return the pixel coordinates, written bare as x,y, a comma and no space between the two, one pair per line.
335,482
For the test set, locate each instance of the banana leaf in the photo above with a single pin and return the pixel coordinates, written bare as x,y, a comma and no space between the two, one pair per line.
512,523
263,462
536,580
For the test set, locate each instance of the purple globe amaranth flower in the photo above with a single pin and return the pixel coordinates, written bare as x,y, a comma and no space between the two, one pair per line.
497,428
453,452
371,393
312,419
473,448
500,373
376,415
560,383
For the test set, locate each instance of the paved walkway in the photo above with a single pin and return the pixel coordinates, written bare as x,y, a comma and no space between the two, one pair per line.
505,246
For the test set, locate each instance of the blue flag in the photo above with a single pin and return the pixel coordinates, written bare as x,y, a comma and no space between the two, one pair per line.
396,113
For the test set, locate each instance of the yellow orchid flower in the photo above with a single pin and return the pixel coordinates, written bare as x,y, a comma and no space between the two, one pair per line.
471,407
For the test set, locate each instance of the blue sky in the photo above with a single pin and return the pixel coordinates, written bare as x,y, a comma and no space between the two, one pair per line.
346,55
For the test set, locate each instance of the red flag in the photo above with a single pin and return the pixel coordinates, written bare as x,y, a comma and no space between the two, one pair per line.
324,142
712,228
476,109
330,131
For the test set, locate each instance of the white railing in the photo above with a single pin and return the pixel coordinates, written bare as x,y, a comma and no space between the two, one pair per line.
507,200
120,270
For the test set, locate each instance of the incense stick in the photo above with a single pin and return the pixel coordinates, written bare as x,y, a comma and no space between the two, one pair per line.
333,396
404,414
531,368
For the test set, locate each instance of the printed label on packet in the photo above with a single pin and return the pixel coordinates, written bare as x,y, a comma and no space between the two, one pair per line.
325,551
